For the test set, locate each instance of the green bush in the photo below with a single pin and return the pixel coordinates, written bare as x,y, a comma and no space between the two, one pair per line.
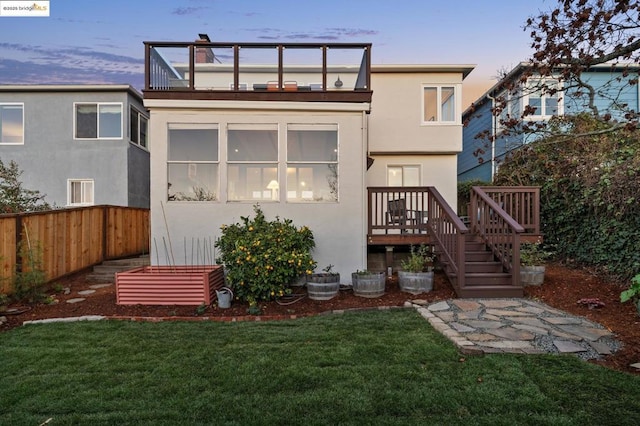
590,192
464,194
262,258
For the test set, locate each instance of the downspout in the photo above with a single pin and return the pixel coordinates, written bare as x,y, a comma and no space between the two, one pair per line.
494,134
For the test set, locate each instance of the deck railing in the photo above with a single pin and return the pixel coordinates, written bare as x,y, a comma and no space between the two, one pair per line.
522,203
449,237
258,71
500,232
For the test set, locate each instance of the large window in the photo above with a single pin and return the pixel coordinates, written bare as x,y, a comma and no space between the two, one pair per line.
543,95
439,104
192,163
98,121
80,192
138,124
403,175
12,124
312,163
252,156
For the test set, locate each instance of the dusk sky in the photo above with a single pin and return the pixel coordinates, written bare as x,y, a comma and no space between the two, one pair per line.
93,41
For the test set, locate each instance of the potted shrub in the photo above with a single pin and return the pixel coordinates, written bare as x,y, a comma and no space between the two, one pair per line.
632,293
532,263
368,284
323,285
416,275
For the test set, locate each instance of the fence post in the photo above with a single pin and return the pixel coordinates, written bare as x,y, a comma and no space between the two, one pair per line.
105,219
18,230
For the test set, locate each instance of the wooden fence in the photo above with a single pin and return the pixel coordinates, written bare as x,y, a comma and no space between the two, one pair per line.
71,239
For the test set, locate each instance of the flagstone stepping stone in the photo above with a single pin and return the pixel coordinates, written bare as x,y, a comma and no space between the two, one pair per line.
466,305
565,346
86,292
440,306
501,303
76,300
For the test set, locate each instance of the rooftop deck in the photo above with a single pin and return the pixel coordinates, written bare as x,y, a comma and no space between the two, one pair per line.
307,72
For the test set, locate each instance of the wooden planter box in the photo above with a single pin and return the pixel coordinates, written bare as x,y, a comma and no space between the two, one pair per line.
169,285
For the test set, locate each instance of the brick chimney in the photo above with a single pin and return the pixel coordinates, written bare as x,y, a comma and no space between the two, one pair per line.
204,55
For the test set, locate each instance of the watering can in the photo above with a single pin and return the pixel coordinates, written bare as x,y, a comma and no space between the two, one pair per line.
224,297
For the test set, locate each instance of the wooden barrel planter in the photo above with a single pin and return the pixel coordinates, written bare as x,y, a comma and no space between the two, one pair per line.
415,282
368,285
323,286
531,275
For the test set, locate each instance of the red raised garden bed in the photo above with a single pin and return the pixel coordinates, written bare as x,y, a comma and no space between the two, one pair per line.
169,285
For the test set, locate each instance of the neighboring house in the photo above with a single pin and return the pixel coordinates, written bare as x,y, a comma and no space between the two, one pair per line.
480,159
78,144
304,140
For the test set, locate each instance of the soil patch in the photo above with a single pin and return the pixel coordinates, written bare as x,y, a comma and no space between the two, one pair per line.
563,288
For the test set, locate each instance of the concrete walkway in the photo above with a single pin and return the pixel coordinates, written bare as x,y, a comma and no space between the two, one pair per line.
516,326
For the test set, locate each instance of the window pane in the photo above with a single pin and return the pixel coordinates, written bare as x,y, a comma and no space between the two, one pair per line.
411,176
193,145
430,104
76,192
110,121
86,121
253,182
448,104
394,176
143,133
252,145
133,124
537,104
551,106
312,182
312,145
193,182
87,192
11,124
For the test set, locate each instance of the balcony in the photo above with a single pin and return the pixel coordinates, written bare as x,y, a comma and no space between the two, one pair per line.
299,72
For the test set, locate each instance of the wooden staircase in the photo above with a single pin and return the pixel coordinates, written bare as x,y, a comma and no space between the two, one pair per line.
484,275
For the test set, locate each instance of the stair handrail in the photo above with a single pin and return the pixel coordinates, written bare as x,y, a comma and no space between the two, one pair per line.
499,231
448,233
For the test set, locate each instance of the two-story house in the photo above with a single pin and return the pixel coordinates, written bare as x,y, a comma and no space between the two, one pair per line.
78,144
299,129
613,92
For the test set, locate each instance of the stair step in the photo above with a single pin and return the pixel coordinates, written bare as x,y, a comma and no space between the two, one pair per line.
479,267
100,278
112,269
490,291
479,256
487,279
131,261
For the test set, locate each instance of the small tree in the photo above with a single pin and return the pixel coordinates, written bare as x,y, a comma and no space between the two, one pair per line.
13,197
569,40
262,258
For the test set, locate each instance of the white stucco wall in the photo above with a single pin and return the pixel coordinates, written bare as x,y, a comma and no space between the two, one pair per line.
339,227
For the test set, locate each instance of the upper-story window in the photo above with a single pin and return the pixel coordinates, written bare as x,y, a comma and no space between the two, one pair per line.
252,155
439,104
98,120
192,163
139,125
312,162
544,96
12,124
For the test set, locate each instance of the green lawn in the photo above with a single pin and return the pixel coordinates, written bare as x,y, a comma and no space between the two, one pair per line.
387,367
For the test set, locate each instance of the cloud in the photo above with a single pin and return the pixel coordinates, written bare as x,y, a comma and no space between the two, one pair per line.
29,64
328,34
182,11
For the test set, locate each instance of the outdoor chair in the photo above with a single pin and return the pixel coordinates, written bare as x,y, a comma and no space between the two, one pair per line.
397,214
